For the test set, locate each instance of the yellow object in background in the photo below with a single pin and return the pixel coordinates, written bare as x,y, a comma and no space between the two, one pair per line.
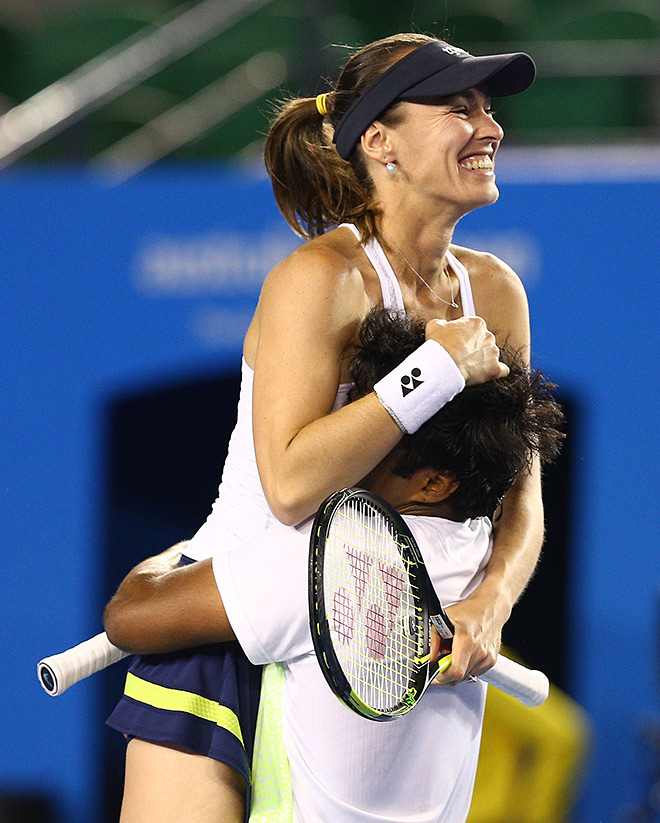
530,761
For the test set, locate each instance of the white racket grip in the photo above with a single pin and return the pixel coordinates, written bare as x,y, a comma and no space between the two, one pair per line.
58,672
530,686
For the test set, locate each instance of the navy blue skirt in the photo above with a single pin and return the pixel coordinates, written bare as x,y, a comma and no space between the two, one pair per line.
204,699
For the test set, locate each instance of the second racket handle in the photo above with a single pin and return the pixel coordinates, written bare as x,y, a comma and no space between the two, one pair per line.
530,686
58,672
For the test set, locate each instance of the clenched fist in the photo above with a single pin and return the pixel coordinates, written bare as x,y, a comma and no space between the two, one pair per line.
471,346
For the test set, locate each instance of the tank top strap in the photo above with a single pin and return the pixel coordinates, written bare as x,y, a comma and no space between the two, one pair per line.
467,298
392,297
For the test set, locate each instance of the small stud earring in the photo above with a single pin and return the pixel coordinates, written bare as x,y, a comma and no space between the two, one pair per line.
389,167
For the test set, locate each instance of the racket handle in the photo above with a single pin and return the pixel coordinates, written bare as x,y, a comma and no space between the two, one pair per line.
530,686
58,672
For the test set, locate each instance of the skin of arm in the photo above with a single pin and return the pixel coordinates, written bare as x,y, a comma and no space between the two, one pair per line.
518,534
160,607
307,318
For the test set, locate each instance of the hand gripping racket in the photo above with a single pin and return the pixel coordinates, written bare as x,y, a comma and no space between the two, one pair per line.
62,670
371,606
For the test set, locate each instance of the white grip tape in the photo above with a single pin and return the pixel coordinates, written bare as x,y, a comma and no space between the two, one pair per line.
530,686
419,386
58,672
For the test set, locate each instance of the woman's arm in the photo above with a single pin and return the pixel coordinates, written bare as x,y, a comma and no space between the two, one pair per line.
161,607
518,534
309,312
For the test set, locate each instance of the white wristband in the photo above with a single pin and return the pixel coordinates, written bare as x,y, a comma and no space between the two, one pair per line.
419,386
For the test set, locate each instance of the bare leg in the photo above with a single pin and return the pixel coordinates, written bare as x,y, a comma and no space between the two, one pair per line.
166,784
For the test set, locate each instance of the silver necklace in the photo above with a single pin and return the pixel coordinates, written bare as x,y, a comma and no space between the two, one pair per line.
453,303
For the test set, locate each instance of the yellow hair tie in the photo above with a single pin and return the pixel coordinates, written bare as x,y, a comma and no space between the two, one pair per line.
322,104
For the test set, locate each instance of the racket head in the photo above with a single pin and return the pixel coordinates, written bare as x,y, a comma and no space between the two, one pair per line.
368,605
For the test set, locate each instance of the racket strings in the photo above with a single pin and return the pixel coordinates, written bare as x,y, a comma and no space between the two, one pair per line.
343,605
373,609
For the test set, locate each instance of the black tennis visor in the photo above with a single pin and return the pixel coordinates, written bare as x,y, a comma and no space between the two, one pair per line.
436,69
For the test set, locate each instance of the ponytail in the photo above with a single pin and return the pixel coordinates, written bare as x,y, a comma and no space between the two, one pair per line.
314,188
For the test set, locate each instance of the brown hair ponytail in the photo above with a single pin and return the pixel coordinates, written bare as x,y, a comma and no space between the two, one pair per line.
314,188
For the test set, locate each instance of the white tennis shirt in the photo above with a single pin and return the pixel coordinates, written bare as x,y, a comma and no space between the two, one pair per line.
419,768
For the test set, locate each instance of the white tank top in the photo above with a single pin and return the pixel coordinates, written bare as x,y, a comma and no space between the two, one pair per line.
240,511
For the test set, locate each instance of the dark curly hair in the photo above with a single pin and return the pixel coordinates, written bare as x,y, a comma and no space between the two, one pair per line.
484,437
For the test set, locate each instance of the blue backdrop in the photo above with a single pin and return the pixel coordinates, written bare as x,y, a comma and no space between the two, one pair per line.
107,289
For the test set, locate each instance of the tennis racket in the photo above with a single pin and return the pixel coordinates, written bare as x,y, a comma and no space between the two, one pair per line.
58,672
371,606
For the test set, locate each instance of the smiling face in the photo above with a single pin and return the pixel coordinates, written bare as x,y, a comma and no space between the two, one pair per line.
445,149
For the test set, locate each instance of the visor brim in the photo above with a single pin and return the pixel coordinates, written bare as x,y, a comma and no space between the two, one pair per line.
501,74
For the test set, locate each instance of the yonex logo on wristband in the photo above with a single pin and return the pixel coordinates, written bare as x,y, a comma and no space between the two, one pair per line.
409,382
441,381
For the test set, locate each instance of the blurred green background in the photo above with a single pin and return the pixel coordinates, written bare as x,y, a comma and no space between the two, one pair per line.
599,63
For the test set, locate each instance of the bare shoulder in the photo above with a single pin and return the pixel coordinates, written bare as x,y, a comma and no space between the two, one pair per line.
322,265
499,295
318,290
488,272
